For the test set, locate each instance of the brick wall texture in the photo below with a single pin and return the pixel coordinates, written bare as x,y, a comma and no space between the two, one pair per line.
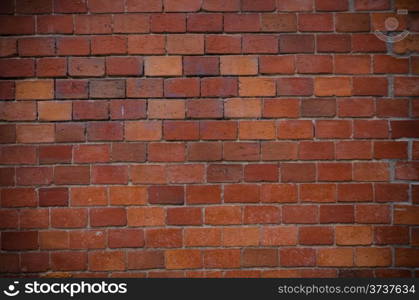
208,138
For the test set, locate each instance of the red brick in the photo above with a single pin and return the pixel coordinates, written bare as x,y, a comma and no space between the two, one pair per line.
316,150
163,66
372,5
128,109
345,64
106,260
7,90
367,43
371,129
151,174
222,258
185,216
219,87
384,235
200,65
318,193
35,133
298,172
219,5
166,195
183,259
370,171
300,214
89,196
144,88
51,67
334,172
296,43
54,111
353,235
54,24
407,170
355,107
35,89
218,130
110,174
393,108
335,257
128,195
333,42
333,86
383,150
125,238
143,131
205,151
181,87
203,194
336,213
278,22
185,173
372,213
172,22
185,44
146,216
101,45
100,217
17,111
222,44
34,175
278,193
253,257
7,7
260,130
241,193
316,235
107,88
71,89
241,151
354,150
318,107
71,175
87,239
261,172
7,176
333,129
293,257
34,262
352,22
68,217
405,128
13,25
370,86
109,131
36,47
205,22
372,257
53,240
261,215
331,5
9,263
181,130
93,24
19,240
389,64
295,5
298,129
145,259
164,238
223,215
295,86
28,7
163,152
224,173
279,235
144,5
53,197
240,236
283,64
406,257
17,155
316,22
124,66
241,22
34,218
253,43
391,192
146,44
73,46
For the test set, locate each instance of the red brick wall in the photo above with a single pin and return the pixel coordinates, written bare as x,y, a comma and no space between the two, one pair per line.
211,138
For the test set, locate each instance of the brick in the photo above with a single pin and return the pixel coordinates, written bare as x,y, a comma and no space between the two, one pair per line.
181,130
344,64
7,90
71,89
68,261
370,129
204,108
295,86
261,215
166,195
296,43
316,150
163,66
145,259
143,131
125,238
107,88
281,108
278,22
18,197
222,44
224,173
128,195
110,174
318,107
7,133
145,216
295,214
335,257
405,128
109,131
34,218
253,43
88,196
27,7
384,235
240,236
182,87
407,170
333,43
146,44
369,213
223,215
318,193
73,46
297,257
8,176
205,23
184,216
222,258
13,25
7,7
185,173
35,133
101,45
68,217
34,175
391,192
392,108
352,22
185,44
35,89
241,22
354,235
131,23
241,193
54,111
154,174
203,194
87,239
164,152
124,66
53,197
242,108
205,151
200,65
183,259
17,111
9,263
90,110
71,175
19,240
261,172
406,257
370,86
195,237
307,64
355,107
253,257
87,67
319,22
35,262
295,129
164,238
261,130
106,260
171,22
336,214
279,235
101,217
384,150
334,172
298,172
367,43
332,86
219,87
278,193
389,64
316,235
128,109
330,5
93,24
51,67
370,171
373,257
239,65
372,5
283,64
53,240
218,5
144,6
333,129
54,24
144,88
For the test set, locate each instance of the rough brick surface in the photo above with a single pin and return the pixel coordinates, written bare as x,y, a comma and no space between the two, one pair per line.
208,138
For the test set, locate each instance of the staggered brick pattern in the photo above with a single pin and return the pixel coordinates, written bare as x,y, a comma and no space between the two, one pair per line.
208,138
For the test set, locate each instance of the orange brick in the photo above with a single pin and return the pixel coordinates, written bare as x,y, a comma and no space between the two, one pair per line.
89,196
35,90
35,133
222,258
239,65
353,235
258,130
54,111
163,66
183,259
295,129
335,257
373,257
151,174
240,236
333,86
166,109
223,215
146,44
185,44
202,237
243,108
146,216
252,87
128,195
143,130
278,193
279,235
